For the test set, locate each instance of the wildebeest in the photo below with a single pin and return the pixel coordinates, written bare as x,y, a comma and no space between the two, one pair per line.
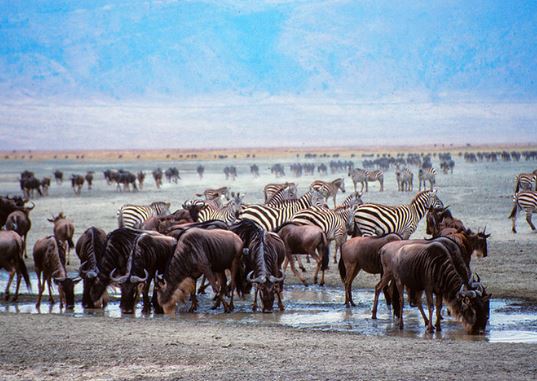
200,169
306,240
90,250
64,229
172,174
162,223
126,179
441,218
58,176
11,248
157,176
29,184
430,268
19,221
49,260
141,177
77,181
149,254
361,253
10,204
264,253
200,252
89,179
45,184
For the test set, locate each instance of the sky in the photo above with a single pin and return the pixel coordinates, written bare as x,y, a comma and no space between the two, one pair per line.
195,74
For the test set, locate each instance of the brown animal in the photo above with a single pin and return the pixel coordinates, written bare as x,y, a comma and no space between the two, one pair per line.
89,179
361,253
305,240
10,204
45,184
77,181
11,248
49,260
90,249
64,229
430,268
200,252
140,176
19,221
441,218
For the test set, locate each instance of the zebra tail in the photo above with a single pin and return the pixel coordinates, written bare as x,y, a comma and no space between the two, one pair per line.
514,211
326,254
342,269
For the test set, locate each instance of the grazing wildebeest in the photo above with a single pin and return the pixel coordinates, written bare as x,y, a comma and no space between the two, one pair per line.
11,248
45,184
157,175
141,177
64,229
264,253
200,252
19,221
430,268
149,254
361,253
90,250
58,176
306,240
49,260
29,184
89,179
441,218
77,181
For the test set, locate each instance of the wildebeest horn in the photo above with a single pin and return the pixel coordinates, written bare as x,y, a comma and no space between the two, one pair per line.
28,208
76,279
121,279
259,279
273,279
137,279
60,279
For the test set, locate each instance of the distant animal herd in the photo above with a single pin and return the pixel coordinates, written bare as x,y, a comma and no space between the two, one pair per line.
219,240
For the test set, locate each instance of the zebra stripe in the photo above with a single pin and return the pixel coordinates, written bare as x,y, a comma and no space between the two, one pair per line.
272,189
405,179
427,174
227,214
362,176
527,201
377,220
284,193
134,216
329,189
271,217
525,181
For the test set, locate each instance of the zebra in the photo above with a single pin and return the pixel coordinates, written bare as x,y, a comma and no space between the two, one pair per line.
134,216
524,200
272,188
363,176
377,220
227,213
284,194
427,174
336,223
329,189
405,180
271,218
525,181
215,195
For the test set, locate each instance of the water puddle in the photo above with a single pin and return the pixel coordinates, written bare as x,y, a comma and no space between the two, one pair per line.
321,308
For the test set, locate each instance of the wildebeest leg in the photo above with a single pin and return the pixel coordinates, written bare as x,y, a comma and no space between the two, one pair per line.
279,295
24,247
528,218
384,281
40,289
300,265
401,290
145,298
290,259
352,271
19,278
203,285
430,303
254,305
438,312
6,293
49,284
154,301
194,300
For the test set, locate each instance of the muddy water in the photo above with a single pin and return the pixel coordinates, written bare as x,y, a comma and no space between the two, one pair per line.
321,308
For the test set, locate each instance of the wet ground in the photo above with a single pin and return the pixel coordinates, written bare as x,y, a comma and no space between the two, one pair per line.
321,308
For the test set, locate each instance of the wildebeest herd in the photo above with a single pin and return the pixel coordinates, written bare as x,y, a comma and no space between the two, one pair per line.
235,247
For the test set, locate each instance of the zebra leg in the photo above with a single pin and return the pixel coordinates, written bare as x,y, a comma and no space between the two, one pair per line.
528,218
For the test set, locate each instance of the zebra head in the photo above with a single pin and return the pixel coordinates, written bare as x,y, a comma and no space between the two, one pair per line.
433,201
317,198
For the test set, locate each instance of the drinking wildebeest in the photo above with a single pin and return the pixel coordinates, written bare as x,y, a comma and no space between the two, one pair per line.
149,254
362,253
11,248
430,268
305,240
49,260
19,221
64,229
264,254
90,250
200,252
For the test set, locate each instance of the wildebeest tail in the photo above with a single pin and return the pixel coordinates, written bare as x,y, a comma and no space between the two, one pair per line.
23,271
342,269
326,253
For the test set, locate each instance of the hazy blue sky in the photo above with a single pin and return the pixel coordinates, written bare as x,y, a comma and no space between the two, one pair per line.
149,74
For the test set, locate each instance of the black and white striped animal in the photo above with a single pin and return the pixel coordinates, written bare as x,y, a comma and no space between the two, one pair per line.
271,217
134,216
329,189
527,201
427,174
215,195
363,176
271,189
405,180
526,181
377,219
227,213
